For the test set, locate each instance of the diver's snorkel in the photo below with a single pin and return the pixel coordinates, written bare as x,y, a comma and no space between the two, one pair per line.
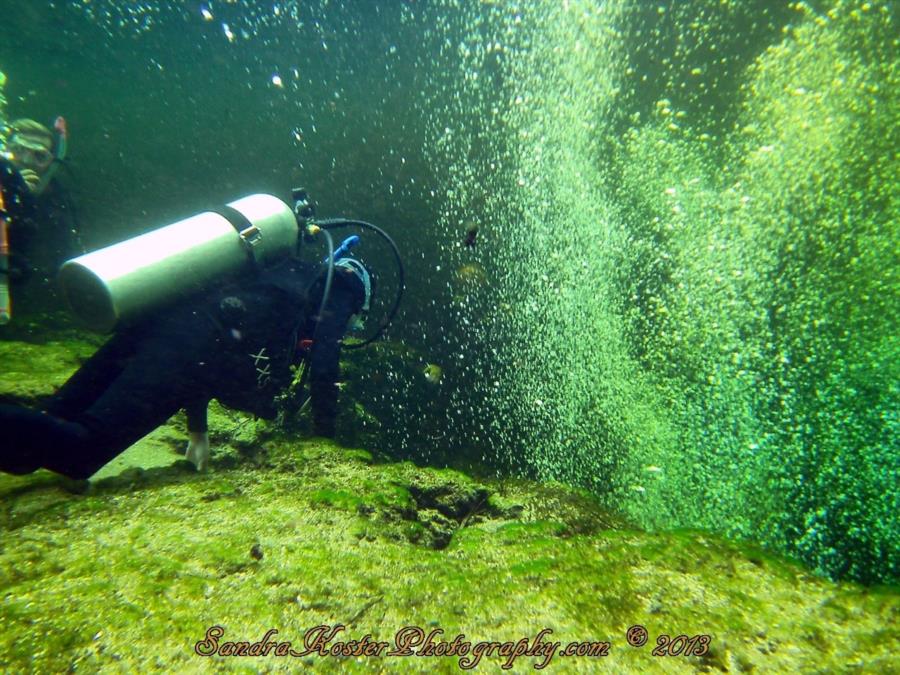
62,146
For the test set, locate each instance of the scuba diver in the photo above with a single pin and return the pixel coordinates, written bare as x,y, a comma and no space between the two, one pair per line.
39,228
236,343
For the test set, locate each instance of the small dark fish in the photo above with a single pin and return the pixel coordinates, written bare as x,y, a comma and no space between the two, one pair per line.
256,552
471,233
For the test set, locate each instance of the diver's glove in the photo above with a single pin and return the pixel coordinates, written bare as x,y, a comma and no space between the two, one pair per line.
198,449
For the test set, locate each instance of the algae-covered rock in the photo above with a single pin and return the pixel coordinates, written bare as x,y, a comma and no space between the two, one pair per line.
134,574
33,371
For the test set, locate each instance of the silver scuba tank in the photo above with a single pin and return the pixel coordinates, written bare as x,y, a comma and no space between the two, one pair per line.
121,281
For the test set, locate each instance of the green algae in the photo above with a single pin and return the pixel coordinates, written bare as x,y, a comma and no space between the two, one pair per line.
338,498
30,370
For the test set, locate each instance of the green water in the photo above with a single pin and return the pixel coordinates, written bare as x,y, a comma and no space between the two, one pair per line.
686,295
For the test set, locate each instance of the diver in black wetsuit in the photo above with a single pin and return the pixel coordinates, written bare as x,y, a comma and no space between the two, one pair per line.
40,215
235,345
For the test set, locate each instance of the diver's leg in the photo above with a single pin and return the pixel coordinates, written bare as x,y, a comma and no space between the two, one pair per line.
73,448
166,371
56,437
162,372
27,434
94,377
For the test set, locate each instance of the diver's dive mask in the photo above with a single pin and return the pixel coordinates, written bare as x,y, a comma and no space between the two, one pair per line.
28,153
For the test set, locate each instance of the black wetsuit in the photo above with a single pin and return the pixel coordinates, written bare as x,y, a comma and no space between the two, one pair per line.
42,235
235,345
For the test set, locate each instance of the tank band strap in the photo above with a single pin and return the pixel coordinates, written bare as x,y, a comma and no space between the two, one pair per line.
247,231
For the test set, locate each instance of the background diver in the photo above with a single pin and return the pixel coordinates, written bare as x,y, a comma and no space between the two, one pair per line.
40,216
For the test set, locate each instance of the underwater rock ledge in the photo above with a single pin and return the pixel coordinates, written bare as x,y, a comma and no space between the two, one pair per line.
130,573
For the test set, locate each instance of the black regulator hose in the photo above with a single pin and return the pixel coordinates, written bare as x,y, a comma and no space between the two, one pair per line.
333,223
329,275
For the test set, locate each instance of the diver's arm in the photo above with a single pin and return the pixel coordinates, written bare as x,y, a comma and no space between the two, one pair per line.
324,357
19,204
197,451
195,411
18,211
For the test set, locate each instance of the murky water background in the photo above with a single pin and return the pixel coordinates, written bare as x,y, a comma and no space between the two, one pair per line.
684,289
